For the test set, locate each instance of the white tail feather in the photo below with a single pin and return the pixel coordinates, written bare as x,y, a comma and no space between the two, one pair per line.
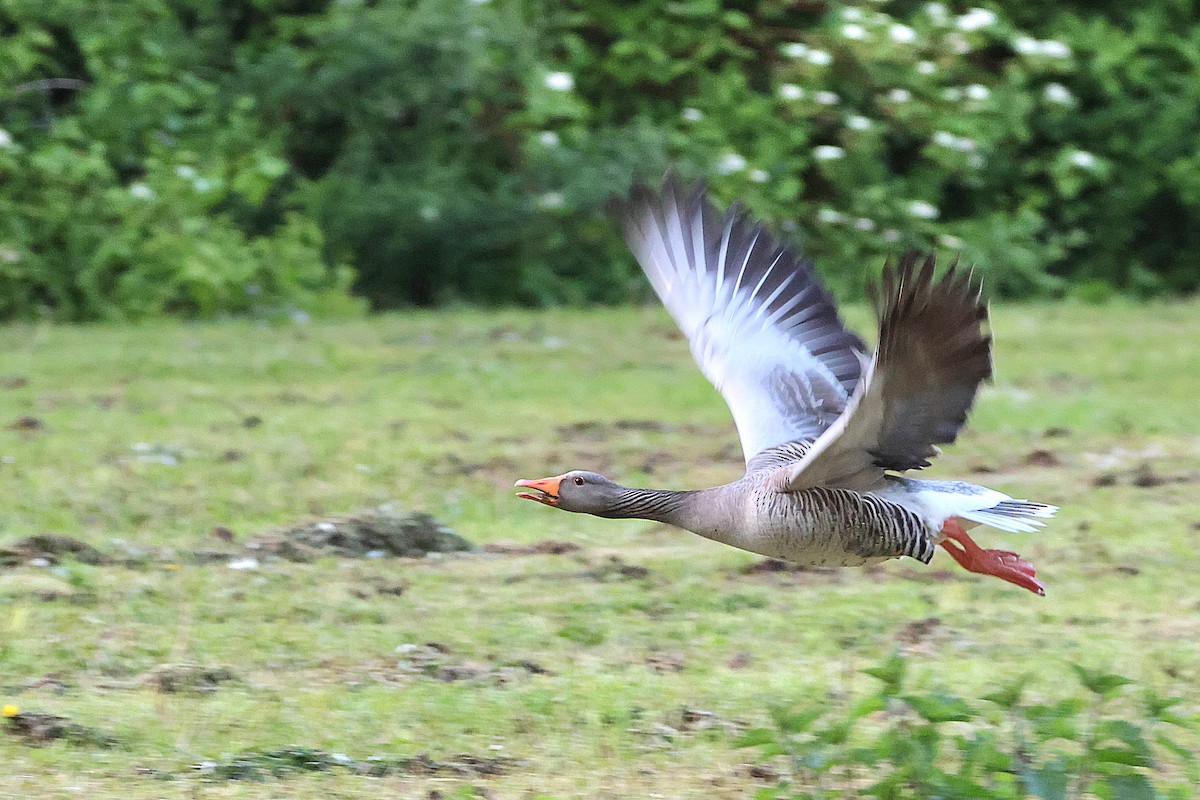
1014,516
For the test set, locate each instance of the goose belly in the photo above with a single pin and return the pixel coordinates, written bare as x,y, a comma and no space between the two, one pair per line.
834,528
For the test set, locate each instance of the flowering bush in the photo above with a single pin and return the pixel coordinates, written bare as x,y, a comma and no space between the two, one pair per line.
194,157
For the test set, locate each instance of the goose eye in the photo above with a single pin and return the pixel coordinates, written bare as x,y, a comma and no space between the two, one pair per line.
578,481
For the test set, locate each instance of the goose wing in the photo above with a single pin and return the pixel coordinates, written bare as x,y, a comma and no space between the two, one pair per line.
916,392
761,326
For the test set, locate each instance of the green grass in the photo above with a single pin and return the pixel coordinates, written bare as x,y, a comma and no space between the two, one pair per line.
442,412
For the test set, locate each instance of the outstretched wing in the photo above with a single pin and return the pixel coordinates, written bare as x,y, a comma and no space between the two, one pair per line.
761,326
932,356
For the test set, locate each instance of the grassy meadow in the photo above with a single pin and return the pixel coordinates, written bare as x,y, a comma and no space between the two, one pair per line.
627,666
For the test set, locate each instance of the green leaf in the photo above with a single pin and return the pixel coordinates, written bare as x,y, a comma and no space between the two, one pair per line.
1127,733
1048,782
868,705
940,708
835,732
1185,753
1057,720
756,737
795,722
1120,755
891,672
1099,682
1131,787
1010,695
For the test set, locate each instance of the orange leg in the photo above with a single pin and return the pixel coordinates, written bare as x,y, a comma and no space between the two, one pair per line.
1000,563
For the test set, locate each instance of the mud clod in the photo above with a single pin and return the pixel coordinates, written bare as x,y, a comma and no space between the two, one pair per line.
188,678
51,547
386,530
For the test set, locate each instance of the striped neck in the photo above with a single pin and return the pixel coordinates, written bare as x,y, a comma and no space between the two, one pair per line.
660,505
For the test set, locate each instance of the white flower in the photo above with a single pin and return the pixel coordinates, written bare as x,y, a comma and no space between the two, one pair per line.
830,216
891,235
937,11
978,91
560,81
819,58
6,140
975,19
854,31
790,91
760,175
826,98
899,95
730,163
952,93
548,138
141,191
922,210
1027,45
976,161
857,122
852,13
430,212
202,184
795,50
693,114
1059,94
902,34
952,242
828,152
958,43
952,142
864,224
551,201
1054,49
1083,159
926,67
185,172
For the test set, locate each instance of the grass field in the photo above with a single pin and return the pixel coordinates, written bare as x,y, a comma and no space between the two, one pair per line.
572,674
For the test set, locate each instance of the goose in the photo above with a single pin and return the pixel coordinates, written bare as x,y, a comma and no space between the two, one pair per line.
826,429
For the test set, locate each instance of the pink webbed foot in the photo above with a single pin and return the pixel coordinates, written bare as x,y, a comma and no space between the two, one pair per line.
1003,564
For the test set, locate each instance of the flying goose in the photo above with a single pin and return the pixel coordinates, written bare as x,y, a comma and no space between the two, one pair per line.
824,426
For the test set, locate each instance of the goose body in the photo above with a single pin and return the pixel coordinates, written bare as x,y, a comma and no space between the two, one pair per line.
825,427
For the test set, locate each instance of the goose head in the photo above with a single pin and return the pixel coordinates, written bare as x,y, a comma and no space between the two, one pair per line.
578,490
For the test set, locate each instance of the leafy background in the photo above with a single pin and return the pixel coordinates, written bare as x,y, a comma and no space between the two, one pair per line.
291,157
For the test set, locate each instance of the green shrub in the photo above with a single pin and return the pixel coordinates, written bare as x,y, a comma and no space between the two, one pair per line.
458,150
903,743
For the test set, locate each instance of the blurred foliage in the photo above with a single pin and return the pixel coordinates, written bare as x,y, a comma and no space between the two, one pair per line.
211,156
901,742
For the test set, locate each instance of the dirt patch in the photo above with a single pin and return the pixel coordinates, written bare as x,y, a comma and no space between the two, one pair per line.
386,530
551,547
604,430
1143,476
616,569
187,678
667,662
26,424
775,566
920,637
1043,458
264,765
436,660
39,729
683,723
50,548
921,575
